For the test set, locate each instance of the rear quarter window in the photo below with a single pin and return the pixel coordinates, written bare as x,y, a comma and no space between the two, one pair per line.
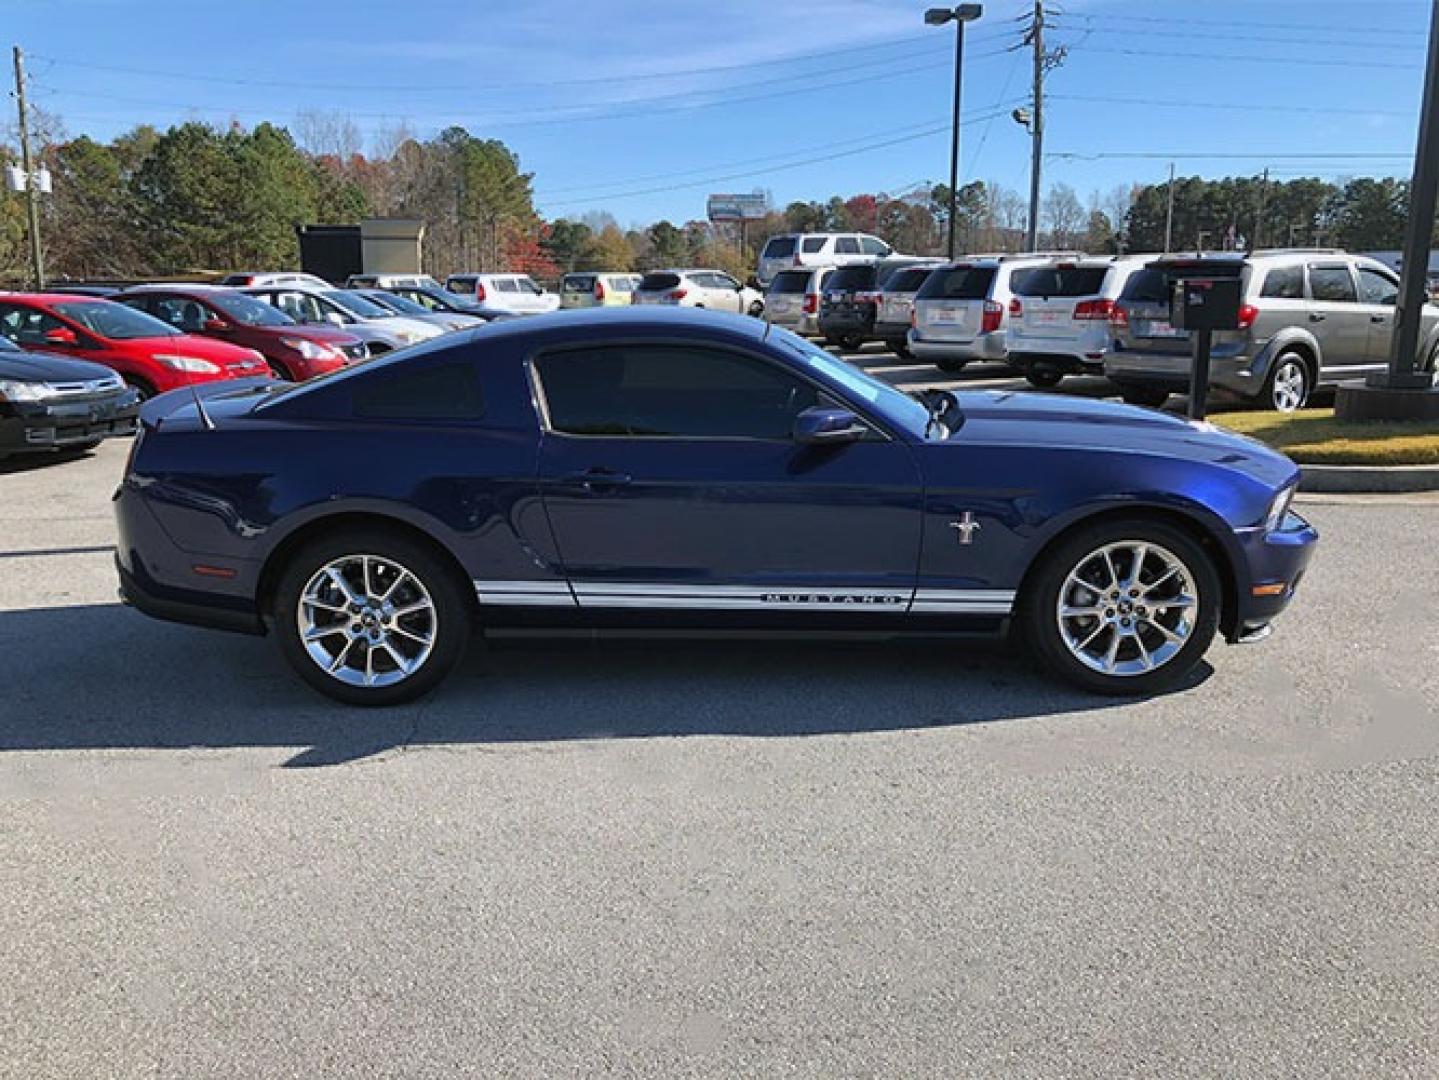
438,392
813,245
1283,283
958,283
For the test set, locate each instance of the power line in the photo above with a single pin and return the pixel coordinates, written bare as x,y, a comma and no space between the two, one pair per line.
1237,106
1232,25
1223,155
1265,60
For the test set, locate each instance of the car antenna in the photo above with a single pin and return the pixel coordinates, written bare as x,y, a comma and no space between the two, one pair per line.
205,421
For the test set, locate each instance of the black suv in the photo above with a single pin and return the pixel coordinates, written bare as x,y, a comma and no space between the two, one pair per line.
850,302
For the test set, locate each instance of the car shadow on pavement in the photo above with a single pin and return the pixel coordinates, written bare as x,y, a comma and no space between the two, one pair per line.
106,677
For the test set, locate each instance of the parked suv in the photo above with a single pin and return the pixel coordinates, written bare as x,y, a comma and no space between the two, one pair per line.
1309,318
894,306
504,294
698,288
961,309
792,299
391,281
293,352
597,289
818,249
849,305
1059,316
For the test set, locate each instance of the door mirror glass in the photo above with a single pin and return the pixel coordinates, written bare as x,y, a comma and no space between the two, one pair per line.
821,426
61,335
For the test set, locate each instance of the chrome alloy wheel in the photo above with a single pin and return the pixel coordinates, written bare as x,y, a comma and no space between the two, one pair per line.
1291,386
1127,608
366,620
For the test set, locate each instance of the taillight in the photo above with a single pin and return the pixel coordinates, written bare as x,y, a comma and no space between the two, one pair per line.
1094,310
1247,314
676,295
811,303
993,316
1119,317
1016,307
796,259
479,291
599,290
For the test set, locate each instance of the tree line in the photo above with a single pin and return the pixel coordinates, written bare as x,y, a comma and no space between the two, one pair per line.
198,198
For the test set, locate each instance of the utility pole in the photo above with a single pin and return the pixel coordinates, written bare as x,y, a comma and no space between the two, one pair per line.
1169,213
1257,242
1036,132
27,162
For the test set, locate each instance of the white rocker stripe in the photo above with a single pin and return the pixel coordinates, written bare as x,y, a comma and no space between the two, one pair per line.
700,597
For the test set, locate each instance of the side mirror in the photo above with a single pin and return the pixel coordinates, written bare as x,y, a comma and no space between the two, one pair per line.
61,335
821,426
214,325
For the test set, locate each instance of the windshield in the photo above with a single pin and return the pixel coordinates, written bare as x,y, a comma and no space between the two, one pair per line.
958,283
895,405
356,304
114,321
403,305
248,311
790,281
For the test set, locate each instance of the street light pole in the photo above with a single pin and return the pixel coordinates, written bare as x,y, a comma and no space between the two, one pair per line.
938,17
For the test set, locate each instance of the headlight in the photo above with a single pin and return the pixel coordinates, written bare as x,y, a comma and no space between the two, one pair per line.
188,363
1278,508
310,350
15,390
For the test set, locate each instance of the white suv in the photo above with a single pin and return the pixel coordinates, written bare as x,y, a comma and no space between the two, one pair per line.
1059,316
711,289
503,294
818,249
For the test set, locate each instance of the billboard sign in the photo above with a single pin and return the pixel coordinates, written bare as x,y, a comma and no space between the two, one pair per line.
738,207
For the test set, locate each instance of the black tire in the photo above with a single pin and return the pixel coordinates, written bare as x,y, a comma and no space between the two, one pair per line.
1148,396
1043,378
756,309
900,347
1040,623
953,367
449,629
851,342
831,341
1289,384
140,386
280,371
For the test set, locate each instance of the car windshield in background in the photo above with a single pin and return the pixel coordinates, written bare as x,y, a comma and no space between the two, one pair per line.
655,282
1047,281
578,283
907,280
357,305
401,304
790,281
958,283
779,247
247,310
115,321
849,278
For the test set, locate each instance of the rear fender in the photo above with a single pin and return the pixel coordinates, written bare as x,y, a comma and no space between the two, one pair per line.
1287,338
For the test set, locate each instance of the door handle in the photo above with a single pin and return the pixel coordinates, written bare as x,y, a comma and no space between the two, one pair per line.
1314,316
1378,318
597,479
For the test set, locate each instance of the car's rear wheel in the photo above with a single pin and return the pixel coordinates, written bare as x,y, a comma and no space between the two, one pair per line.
900,348
1148,396
1289,384
1126,606
370,617
851,342
1043,377
954,367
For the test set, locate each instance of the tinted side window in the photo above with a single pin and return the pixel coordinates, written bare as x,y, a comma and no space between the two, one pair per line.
1332,284
1377,288
847,245
1284,283
670,390
779,247
442,392
871,246
812,244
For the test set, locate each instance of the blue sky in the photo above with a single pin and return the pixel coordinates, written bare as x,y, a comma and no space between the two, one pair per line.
642,109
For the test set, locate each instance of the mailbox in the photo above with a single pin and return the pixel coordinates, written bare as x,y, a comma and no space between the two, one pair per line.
1205,304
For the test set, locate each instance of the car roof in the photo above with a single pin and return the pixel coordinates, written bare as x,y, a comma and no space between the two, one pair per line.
52,298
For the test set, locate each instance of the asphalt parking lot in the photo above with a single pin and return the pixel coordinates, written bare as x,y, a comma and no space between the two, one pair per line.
666,859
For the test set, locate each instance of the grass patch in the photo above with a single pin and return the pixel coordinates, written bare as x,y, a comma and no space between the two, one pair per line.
1315,437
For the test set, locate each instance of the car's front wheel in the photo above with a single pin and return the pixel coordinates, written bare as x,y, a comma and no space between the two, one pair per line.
953,367
900,348
1126,606
1043,377
371,617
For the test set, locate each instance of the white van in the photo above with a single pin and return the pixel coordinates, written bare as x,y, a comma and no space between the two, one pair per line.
818,249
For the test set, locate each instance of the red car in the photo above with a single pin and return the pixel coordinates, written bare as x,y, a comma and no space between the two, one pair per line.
295,352
148,354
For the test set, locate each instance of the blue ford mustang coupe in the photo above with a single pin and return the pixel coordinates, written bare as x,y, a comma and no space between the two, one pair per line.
677,470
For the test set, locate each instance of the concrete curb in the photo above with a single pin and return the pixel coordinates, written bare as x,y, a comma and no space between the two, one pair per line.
1373,479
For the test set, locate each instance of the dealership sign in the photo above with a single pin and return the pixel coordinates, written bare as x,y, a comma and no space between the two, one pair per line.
738,207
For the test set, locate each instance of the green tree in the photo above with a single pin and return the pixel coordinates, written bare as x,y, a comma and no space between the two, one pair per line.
610,250
567,243
668,245
93,201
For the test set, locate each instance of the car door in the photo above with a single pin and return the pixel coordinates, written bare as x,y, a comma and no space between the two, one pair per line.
671,480
846,250
728,295
1337,321
1378,298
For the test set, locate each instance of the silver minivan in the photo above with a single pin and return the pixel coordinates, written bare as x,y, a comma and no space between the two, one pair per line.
792,299
960,311
1309,318
1059,316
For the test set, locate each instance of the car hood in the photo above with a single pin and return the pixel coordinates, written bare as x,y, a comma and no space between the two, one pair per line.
323,335
45,367
192,345
1059,421
401,326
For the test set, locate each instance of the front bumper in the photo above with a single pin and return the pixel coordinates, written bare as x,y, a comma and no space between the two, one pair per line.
1275,564
27,427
